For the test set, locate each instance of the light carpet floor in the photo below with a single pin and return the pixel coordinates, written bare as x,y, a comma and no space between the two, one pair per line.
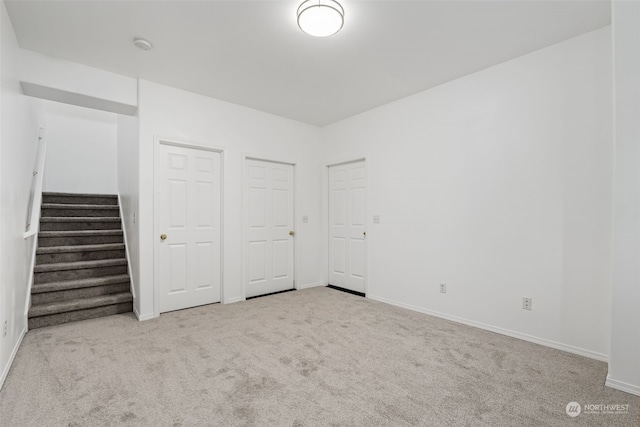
316,357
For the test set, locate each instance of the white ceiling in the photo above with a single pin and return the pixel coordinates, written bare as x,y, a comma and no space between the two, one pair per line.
252,52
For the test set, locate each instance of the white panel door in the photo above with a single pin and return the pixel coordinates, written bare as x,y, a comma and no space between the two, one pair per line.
347,219
269,236
189,226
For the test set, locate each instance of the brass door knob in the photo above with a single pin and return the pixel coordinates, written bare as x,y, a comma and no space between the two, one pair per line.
291,233
163,237
364,233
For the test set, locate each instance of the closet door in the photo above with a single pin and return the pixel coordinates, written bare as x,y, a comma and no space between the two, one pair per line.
347,233
189,223
270,235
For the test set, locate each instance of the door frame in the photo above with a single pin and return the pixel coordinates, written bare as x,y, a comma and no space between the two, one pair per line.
245,218
327,194
157,142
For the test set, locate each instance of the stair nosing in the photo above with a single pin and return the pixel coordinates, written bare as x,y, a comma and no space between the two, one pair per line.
77,206
80,219
83,304
76,233
55,194
89,282
79,248
79,265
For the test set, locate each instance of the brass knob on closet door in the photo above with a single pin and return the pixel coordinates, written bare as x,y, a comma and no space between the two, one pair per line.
163,237
291,233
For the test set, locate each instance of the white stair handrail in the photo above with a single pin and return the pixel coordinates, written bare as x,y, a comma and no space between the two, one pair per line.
33,215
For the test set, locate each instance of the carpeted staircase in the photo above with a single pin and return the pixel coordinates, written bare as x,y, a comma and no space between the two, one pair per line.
81,268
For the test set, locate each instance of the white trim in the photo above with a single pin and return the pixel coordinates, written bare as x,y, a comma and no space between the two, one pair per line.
266,158
537,340
186,143
194,145
143,317
233,300
132,288
310,285
346,161
6,369
622,386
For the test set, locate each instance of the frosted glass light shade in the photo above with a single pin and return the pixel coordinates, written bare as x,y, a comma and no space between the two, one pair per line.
320,18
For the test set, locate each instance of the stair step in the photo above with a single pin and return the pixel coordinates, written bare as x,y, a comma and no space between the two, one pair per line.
72,316
78,304
78,265
56,254
79,248
85,273
80,223
72,294
79,283
79,210
79,237
80,198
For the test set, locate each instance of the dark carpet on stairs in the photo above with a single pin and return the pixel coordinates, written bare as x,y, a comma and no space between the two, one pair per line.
81,267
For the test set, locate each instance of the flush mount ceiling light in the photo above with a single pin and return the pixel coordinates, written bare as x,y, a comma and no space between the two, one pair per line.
142,44
320,18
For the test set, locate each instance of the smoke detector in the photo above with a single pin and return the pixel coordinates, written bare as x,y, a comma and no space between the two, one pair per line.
142,44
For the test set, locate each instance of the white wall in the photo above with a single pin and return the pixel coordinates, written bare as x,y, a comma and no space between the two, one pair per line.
179,115
499,184
20,119
71,82
81,150
624,366
128,188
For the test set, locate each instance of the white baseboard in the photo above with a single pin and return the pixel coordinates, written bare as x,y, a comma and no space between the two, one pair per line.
309,285
622,386
514,334
142,317
232,300
6,369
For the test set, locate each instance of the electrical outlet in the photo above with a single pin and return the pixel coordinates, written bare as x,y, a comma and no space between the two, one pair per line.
443,288
527,303
376,219
305,219
4,329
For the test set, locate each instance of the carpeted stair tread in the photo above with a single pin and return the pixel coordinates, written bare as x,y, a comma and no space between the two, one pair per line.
54,194
73,233
79,283
78,304
79,248
79,219
77,206
77,315
79,265
80,199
